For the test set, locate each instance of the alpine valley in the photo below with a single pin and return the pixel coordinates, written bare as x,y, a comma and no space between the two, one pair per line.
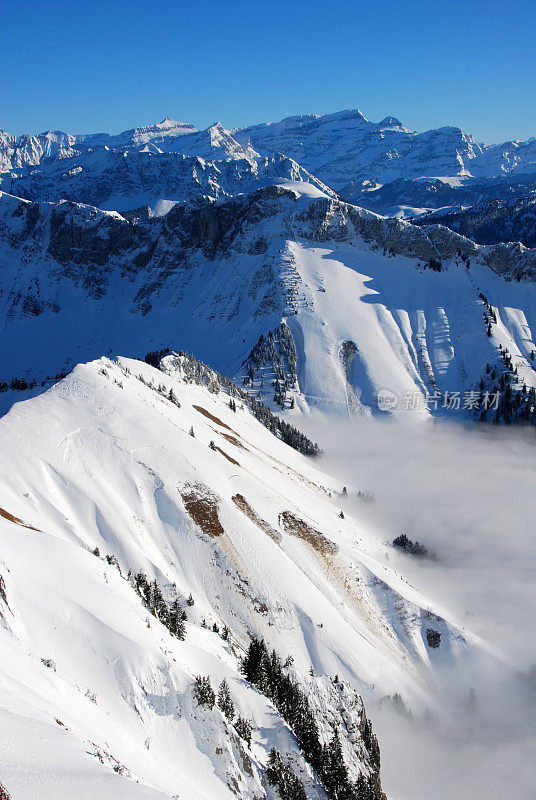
195,602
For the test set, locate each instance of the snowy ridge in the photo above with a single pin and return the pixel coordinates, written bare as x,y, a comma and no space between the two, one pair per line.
94,676
365,307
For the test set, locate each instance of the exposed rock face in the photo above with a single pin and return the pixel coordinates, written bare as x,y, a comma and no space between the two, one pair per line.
333,219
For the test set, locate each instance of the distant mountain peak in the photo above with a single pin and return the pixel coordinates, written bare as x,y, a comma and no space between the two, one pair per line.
169,122
345,114
390,122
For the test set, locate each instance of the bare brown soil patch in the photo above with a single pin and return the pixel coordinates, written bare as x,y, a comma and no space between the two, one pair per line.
298,527
210,416
240,502
202,505
227,456
233,440
6,515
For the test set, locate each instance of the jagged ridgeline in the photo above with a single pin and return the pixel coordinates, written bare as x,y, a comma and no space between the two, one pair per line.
272,365
194,371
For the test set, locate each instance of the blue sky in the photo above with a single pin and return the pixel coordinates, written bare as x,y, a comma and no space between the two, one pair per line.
110,65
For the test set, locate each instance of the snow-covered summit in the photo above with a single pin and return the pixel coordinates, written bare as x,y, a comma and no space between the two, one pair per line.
344,148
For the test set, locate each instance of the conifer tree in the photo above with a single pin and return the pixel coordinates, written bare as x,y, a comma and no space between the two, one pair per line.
177,618
243,729
225,702
203,692
282,775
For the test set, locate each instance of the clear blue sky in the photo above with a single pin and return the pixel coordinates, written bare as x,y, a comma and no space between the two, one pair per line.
108,65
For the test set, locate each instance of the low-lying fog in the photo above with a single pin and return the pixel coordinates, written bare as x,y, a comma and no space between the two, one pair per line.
469,496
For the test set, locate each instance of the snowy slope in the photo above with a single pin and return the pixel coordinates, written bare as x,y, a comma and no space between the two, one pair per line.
365,311
95,695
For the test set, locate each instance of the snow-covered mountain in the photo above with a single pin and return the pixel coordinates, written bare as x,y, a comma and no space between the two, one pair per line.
26,150
191,606
411,199
172,161
128,492
146,170
350,153
371,303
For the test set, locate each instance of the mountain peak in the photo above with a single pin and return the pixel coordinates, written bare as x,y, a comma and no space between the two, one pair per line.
351,114
169,122
390,122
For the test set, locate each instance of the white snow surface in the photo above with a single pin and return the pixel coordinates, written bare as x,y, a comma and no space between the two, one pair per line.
103,459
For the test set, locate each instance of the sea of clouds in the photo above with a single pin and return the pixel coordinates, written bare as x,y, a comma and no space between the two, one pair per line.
469,495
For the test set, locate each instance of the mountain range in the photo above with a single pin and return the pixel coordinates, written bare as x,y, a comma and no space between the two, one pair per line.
192,605
161,162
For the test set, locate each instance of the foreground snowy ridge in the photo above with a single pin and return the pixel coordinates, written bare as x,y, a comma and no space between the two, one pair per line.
124,468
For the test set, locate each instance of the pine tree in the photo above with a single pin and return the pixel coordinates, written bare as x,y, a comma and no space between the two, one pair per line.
243,729
225,703
281,775
333,770
176,620
203,692
4,794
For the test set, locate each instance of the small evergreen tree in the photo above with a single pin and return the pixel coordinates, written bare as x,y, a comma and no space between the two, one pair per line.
203,692
334,772
243,729
177,618
4,794
225,702
282,776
